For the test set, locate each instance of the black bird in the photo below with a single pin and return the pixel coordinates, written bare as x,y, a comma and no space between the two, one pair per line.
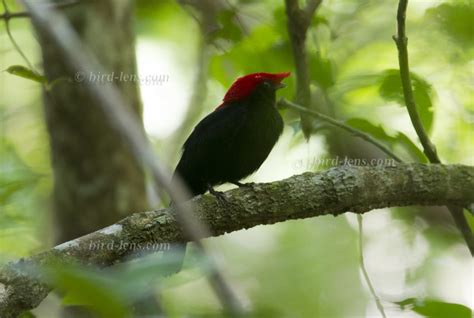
234,140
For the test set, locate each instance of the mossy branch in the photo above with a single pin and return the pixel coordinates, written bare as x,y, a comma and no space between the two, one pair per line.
331,192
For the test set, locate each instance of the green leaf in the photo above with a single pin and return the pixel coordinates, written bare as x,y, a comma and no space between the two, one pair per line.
22,71
90,288
469,216
367,127
16,175
263,42
455,19
379,133
139,274
391,89
411,148
230,28
319,20
435,309
321,70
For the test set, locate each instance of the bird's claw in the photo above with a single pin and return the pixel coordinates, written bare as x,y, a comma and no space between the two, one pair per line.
220,196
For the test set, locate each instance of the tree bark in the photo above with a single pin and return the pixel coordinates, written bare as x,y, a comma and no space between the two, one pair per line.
332,192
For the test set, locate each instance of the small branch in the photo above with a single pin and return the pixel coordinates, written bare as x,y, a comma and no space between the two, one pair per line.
340,124
12,39
333,192
6,15
311,8
401,40
429,148
298,22
208,24
378,303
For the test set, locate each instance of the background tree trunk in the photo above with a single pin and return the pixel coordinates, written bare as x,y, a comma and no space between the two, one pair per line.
96,180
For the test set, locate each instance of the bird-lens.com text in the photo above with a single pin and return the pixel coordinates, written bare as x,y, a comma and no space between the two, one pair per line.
122,245
312,163
142,79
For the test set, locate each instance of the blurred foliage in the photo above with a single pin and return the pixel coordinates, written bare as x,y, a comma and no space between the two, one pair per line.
25,72
300,268
435,309
391,90
455,19
379,133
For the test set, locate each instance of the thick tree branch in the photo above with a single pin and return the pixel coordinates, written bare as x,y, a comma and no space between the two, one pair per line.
332,192
429,148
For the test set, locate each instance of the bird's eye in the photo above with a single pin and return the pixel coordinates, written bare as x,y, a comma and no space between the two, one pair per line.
267,84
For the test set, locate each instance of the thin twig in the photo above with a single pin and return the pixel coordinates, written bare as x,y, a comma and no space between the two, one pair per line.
364,269
311,8
6,15
195,106
285,103
12,39
298,21
57,28
401,40
429,148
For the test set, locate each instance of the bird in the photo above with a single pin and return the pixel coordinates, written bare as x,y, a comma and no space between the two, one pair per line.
230,143
234,140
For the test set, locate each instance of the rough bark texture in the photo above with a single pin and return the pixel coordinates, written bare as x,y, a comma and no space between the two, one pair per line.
335,191
96,180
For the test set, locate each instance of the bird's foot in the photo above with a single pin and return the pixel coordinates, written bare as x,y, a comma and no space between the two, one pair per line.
220,196
244,185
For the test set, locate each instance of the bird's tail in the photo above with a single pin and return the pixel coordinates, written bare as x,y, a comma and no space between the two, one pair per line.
178,250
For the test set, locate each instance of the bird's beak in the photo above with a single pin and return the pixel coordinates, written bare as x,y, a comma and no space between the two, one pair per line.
280,85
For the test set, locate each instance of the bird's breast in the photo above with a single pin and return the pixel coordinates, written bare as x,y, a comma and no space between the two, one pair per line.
254,141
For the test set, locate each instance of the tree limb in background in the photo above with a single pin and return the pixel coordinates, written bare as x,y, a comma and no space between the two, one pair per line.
298,22
115,107
332,192
208,24
429,148
377,301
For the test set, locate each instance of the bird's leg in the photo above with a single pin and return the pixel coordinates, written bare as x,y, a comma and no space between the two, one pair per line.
243,185
218,194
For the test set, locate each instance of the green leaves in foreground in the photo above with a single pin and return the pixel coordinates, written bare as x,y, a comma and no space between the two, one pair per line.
434,308
111,292
454,19
16,175
393,142
22,71
391,90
